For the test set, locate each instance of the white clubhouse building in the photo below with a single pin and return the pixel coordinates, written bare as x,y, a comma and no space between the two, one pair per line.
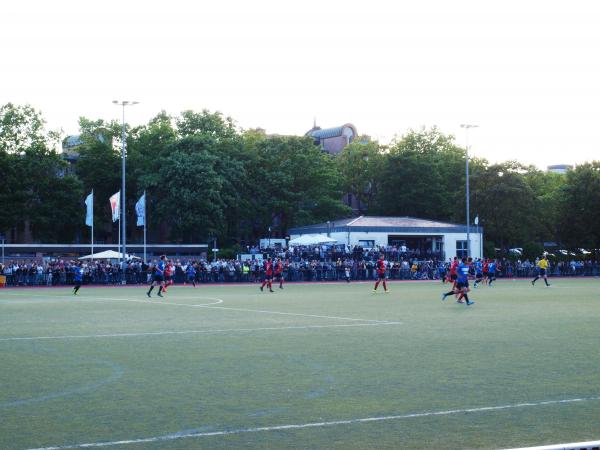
419,236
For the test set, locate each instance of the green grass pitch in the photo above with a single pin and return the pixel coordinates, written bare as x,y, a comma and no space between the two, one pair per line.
313,366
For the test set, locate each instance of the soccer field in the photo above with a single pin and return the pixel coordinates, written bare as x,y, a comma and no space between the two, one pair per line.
312,366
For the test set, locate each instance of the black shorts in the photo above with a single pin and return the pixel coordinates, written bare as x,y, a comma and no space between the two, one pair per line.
479,275
485,274
159,278
268,277
453,276
542,272
462,284
278,276
381,276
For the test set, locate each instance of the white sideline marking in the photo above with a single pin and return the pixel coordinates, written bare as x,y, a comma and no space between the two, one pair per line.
208,305
574,445
175,436
161,333
164,302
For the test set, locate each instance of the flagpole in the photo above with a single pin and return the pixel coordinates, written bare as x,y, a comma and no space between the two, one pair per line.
145,221
92,226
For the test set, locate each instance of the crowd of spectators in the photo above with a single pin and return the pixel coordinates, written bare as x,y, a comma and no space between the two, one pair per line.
316,263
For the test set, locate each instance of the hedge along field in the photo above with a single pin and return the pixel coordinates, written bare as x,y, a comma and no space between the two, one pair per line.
309,366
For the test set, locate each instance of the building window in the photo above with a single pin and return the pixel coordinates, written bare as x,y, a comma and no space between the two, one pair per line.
366,244
461,249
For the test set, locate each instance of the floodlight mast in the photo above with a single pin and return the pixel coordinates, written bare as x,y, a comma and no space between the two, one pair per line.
467,127
123,223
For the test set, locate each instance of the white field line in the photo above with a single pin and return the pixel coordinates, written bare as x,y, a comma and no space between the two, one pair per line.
175,436
218,300
571,446
225,330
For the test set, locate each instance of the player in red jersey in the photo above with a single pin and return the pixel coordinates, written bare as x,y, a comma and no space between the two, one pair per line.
169,271
486,271
453,275
268,281
279,272
380,274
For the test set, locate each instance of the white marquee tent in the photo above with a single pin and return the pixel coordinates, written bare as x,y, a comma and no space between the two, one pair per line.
108,254
311,239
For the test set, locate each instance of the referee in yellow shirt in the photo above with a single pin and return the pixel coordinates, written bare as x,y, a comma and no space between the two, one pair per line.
542,267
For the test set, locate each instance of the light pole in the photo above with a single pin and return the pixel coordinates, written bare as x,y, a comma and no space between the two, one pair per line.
123,103
467,127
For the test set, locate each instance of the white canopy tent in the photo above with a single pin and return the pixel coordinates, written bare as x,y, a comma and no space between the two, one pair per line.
311,239
108,254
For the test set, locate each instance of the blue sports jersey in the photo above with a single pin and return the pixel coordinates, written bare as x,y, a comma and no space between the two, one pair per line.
462,272
190,270
160,268
478,266
78,271
492,267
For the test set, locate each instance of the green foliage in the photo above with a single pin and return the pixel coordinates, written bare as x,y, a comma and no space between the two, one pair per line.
37,198
205,123
422,176
205,178
505,201
359,165
21,128
580,210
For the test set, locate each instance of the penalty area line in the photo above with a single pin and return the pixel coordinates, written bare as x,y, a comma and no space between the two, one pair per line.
167,302
183,332
176,436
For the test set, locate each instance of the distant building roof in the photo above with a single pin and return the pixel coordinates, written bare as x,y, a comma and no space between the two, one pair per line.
368,223
326,133
560,168
72,141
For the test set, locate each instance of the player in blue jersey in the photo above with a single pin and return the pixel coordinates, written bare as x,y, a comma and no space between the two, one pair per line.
191,273
478,272
442,271
492,272
159,276
462,282
77,277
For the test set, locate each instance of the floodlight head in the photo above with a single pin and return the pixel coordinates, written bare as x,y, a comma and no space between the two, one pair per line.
125,102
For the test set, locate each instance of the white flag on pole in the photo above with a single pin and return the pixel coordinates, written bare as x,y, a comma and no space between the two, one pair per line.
115,206
89,216
140,210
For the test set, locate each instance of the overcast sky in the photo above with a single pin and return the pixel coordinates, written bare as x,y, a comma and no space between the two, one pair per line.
526,72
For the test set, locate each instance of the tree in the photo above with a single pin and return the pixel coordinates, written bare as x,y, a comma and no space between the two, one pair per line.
507,204
22,127
98,168
205,123
36,194
192,189
580,214
294,183
46,199
423,176
359,165
548,190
